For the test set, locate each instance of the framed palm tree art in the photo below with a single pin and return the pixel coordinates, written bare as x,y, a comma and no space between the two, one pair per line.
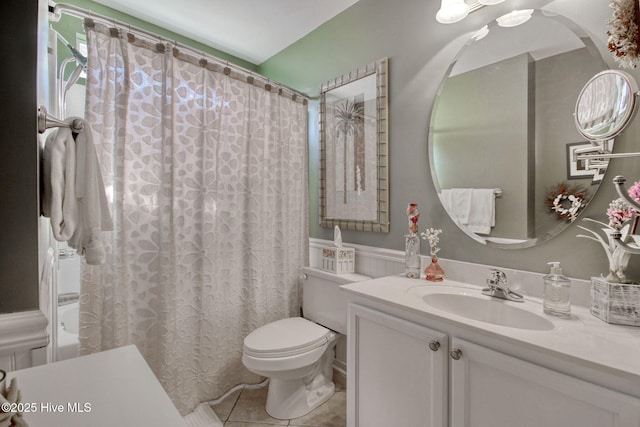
354,177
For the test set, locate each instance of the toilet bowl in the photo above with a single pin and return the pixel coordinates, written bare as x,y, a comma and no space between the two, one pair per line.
297,354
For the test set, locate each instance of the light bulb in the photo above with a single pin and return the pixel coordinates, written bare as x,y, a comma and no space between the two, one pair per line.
480,34
515,18
452,11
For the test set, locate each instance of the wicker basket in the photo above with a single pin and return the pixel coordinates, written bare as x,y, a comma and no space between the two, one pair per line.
617,303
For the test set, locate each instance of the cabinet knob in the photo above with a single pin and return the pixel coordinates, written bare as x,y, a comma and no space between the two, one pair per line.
434,345
455,354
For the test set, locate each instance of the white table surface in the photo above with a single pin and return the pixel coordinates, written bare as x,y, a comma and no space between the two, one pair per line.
114,388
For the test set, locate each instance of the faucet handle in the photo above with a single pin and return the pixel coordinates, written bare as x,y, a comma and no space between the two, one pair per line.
498,287
498,276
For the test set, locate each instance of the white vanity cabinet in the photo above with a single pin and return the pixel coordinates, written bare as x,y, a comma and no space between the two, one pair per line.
492,389
397,376
397,372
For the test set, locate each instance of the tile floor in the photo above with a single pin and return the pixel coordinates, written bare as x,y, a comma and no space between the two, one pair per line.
245,408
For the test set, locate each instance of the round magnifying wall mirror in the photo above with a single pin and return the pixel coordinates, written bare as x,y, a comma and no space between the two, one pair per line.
503,124
606,105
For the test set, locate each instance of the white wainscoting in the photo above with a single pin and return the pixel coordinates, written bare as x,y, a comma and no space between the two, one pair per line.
380,262
23,340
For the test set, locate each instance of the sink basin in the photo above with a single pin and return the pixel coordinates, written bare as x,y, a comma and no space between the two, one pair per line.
488,310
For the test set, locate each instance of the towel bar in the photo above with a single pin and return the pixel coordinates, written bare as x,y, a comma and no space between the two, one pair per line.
45,121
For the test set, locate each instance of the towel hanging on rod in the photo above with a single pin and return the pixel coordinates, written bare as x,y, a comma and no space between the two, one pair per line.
46,121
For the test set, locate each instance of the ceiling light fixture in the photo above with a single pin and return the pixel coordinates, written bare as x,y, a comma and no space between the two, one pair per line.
480,34
515,18
489,2
452,11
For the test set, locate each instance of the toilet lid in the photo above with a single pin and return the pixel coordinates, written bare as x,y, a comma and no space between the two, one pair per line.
285,337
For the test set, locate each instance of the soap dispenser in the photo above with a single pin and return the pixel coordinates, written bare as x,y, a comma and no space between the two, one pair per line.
557,292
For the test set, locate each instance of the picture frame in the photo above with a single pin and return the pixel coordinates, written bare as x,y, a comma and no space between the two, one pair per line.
354,177
577,169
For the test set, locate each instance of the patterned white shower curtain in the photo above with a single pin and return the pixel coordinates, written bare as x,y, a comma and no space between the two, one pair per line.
207,179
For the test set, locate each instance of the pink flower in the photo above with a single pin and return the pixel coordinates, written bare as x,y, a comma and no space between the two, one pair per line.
634,191
619,212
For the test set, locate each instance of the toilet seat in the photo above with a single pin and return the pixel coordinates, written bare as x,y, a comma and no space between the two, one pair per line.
286,337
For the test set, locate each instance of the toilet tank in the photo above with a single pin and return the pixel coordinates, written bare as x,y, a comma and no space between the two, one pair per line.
322,300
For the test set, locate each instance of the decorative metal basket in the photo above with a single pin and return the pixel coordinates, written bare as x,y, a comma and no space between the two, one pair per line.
617,303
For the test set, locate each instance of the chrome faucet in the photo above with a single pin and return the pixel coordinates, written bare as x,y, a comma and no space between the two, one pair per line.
498,287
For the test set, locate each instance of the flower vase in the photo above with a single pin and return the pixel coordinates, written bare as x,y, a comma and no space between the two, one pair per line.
434,272
412,256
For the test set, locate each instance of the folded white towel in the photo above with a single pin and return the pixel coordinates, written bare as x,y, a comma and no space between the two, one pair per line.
458,203
92,202
58,198
482,214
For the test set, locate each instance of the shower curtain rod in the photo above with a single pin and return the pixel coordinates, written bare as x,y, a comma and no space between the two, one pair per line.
79,12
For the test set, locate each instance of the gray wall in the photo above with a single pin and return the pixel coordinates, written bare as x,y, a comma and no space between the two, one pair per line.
18,157
558,79
419,51
482,119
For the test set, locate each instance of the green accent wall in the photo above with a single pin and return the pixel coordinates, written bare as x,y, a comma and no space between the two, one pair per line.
420,51
69,26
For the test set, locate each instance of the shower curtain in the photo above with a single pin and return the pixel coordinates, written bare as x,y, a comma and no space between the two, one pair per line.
206,172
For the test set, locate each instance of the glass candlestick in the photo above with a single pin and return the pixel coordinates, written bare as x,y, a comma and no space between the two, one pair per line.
412,256
412,244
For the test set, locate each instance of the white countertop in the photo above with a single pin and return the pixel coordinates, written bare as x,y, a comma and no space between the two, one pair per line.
111,388
582,339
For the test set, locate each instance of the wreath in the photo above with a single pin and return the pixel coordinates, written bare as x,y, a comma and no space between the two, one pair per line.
566,201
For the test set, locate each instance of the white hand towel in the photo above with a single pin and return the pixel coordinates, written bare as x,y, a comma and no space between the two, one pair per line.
458,202
482,214
92,201
59,170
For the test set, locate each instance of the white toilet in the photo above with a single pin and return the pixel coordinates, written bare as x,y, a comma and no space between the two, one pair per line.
296,353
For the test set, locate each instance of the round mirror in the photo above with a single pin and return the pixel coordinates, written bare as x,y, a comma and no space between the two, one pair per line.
606,105
502,134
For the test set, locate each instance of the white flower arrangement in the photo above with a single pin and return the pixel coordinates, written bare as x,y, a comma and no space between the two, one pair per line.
619,213
622,32
432,236
617,256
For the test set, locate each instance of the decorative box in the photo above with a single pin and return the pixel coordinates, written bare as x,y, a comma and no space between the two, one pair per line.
617,303
338,260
